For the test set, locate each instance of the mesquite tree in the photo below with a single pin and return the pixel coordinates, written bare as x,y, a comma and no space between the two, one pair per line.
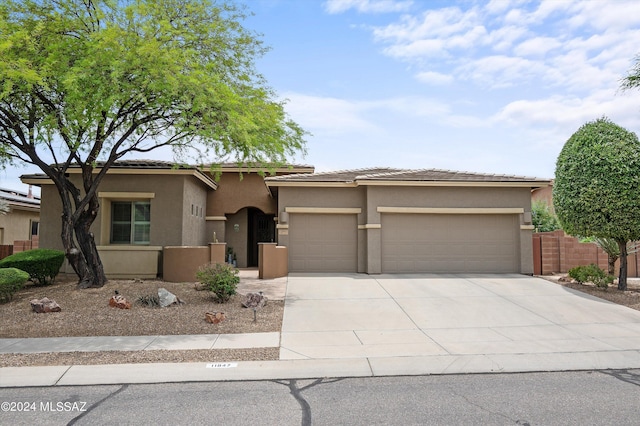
597,186
83,82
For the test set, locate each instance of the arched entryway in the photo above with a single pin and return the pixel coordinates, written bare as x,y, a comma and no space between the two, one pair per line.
244,230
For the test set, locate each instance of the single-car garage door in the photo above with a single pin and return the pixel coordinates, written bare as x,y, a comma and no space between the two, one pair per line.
323,243
454,243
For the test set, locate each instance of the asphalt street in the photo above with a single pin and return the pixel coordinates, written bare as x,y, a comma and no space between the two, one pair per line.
567,398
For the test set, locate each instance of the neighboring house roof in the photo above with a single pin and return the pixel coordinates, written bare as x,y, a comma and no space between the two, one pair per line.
390,176
20,200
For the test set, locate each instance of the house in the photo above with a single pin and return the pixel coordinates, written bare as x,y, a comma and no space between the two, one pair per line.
148,205
371,220
21,222
402,221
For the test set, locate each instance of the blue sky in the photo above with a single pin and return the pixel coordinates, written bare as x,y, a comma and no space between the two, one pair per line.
495,87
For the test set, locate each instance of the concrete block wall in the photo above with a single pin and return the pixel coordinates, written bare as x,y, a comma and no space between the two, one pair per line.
556,252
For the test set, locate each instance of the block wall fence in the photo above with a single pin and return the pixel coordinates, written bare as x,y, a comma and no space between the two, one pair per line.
556,252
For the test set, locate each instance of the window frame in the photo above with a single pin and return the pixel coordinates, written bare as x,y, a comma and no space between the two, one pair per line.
132,222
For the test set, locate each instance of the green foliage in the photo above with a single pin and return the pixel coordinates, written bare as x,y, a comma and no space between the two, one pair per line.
89,81
221,279
632,80
11,280
597,184
42,265
591,274
542,218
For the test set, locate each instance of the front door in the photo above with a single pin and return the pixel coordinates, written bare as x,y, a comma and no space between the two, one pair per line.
261,230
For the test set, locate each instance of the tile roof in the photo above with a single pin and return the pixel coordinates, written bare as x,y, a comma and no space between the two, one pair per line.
400,175
334,176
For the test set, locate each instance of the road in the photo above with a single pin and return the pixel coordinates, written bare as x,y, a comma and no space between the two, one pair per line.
571,398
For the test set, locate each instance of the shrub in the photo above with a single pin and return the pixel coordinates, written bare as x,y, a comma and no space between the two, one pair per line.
150,300
591,273
221,279
42,265
11,280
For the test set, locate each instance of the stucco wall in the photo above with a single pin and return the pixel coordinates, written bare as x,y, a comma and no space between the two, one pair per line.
234,194
238,240
16,225
193,219
170,207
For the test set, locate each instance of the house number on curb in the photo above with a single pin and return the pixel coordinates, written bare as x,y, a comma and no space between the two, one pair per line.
223,365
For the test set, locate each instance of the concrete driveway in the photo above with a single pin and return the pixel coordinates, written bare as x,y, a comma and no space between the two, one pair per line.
503,318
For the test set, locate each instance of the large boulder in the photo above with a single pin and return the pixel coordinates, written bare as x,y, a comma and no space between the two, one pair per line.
45,305
167,298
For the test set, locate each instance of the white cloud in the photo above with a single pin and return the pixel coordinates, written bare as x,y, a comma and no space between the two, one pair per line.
537,46
434,78
367,6
317,113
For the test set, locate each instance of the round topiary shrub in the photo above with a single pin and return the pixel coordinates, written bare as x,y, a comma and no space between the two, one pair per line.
42,265
11,280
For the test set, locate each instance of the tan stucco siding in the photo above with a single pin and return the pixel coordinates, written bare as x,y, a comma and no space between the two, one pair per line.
234,194
236,234
167,201
16,225
476,197
193,219
50,219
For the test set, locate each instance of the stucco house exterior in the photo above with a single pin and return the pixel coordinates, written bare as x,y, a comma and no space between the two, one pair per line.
377,220
148,205
21,222
402,221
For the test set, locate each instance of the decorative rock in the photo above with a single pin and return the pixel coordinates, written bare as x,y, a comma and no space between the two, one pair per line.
45,305
255,300
214,317
167,298
119,301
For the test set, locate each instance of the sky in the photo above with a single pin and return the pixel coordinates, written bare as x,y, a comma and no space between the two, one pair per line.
482,86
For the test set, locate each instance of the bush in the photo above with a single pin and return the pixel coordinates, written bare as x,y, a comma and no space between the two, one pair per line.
221,279
11,280
591,273
42,265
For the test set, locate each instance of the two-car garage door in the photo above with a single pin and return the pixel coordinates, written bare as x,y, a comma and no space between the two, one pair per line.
323,243
450,243
438,243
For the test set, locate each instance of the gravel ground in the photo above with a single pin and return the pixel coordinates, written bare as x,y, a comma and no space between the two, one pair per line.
87,313
629,298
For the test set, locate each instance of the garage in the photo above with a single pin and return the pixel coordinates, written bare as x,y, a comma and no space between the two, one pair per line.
323,243
450,243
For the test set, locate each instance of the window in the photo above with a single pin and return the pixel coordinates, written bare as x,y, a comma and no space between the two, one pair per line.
35,227
130,222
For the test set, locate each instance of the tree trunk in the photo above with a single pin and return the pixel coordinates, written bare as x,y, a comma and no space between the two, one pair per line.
622,279
612,264
78,241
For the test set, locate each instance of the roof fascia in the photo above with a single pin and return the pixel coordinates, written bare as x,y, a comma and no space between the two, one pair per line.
312,184
523,184
124,171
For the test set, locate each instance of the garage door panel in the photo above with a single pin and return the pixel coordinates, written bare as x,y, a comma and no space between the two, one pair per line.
323,243
450,243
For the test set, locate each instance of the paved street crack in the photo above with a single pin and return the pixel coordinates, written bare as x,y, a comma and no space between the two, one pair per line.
297,394
97,404
495,413
624,375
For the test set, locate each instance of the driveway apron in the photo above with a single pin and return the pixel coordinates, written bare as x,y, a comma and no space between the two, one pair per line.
382,316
